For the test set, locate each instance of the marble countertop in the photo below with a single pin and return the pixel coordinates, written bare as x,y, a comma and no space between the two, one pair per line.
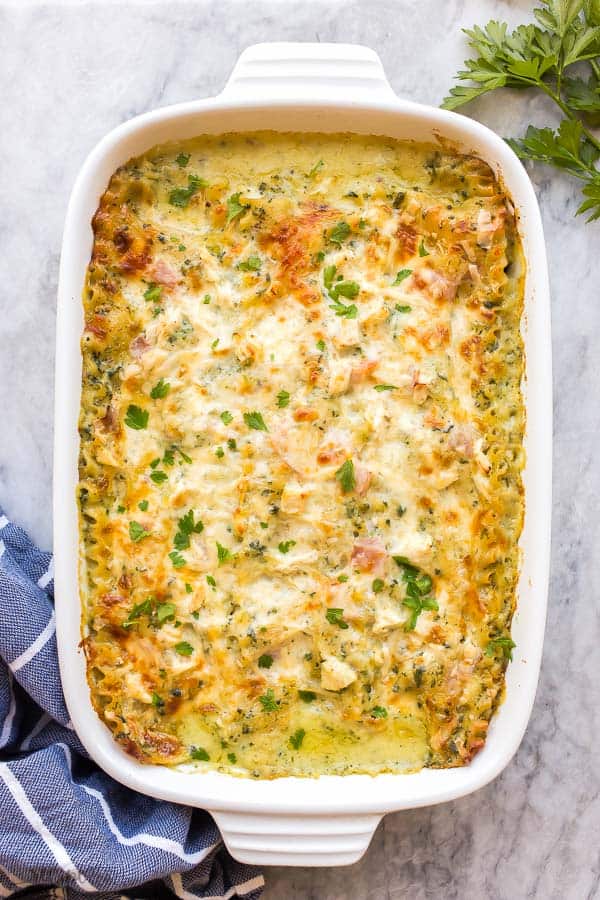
73,71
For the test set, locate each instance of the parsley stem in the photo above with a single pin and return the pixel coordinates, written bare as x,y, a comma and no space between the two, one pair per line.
554,95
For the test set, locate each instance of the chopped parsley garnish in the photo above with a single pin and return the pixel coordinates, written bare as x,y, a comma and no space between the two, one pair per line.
184,649
379,712
153,292
252,264
385,387
219,453
157,700
155,462
232,758
188,588
223,554
136,417
255,420
158,477
264,524
140,609
265,661
185,528
137,532
177,559
199,753
335,616
182,159
318,165
206,300
297,737
321,346
418,587
226,417
214,344
342,578
339,233
402,307
377,586
160,389
181,196
340,288
422,249
268,701
184,456
285,546
402,275
283,398
503,645
234,207
120,509
307,696
143,505
345,476
210,580
165,611
231,443
169,458
346,312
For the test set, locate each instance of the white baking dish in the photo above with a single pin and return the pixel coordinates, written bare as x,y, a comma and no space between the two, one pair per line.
305,87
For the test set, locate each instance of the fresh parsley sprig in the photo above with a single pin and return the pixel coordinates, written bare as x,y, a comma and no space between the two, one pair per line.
539,55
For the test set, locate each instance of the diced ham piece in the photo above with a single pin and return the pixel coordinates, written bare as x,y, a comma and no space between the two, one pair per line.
362,477
434,285
139,345
369,555
163,273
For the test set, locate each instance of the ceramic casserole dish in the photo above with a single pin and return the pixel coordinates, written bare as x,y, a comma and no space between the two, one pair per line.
313,88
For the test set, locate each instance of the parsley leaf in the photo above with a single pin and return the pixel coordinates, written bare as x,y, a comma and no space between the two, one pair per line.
286,546
297,737
234,207
223,554
423,250
321,346
385,387
160,389
402,308
226,417
401,276
537,56
318,165
182,159
255,420
377,586
379,712
143,505
339,233
177,559
283,398
153,292
199,753
501,645
158,477
165,611
252,264
187,527
335,616
347,289
345,476
418,585
268,701
265,661
136,417
181,196
210,580
346,312
137,532
184,649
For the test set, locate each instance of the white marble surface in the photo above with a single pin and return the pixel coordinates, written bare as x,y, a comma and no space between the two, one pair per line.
69,72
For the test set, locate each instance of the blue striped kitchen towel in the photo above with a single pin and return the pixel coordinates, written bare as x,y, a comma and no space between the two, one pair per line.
64,824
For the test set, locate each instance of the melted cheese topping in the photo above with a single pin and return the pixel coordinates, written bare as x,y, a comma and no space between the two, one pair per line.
301,433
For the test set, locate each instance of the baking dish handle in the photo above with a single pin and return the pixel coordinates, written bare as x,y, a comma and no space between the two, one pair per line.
296,71
298,840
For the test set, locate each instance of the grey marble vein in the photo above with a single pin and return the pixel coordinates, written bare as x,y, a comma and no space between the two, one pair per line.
68,73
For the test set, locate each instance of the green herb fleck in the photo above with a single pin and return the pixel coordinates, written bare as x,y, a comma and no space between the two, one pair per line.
252,264
153,292
223,554
158,477
181,196
286,546
335,616
226,417
379,712
255,420
307,696
234,207
317,166
185,528
385,387
143,505
502,645
402,275
345,476
297,737
377,586
157,700
232,758
136,417
188,588
283,398
422,249
160,389
339,233
402,308
199,753
268,701
182,159
265,661
165,611
321,346
184,649
177,559
137,532
210,580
